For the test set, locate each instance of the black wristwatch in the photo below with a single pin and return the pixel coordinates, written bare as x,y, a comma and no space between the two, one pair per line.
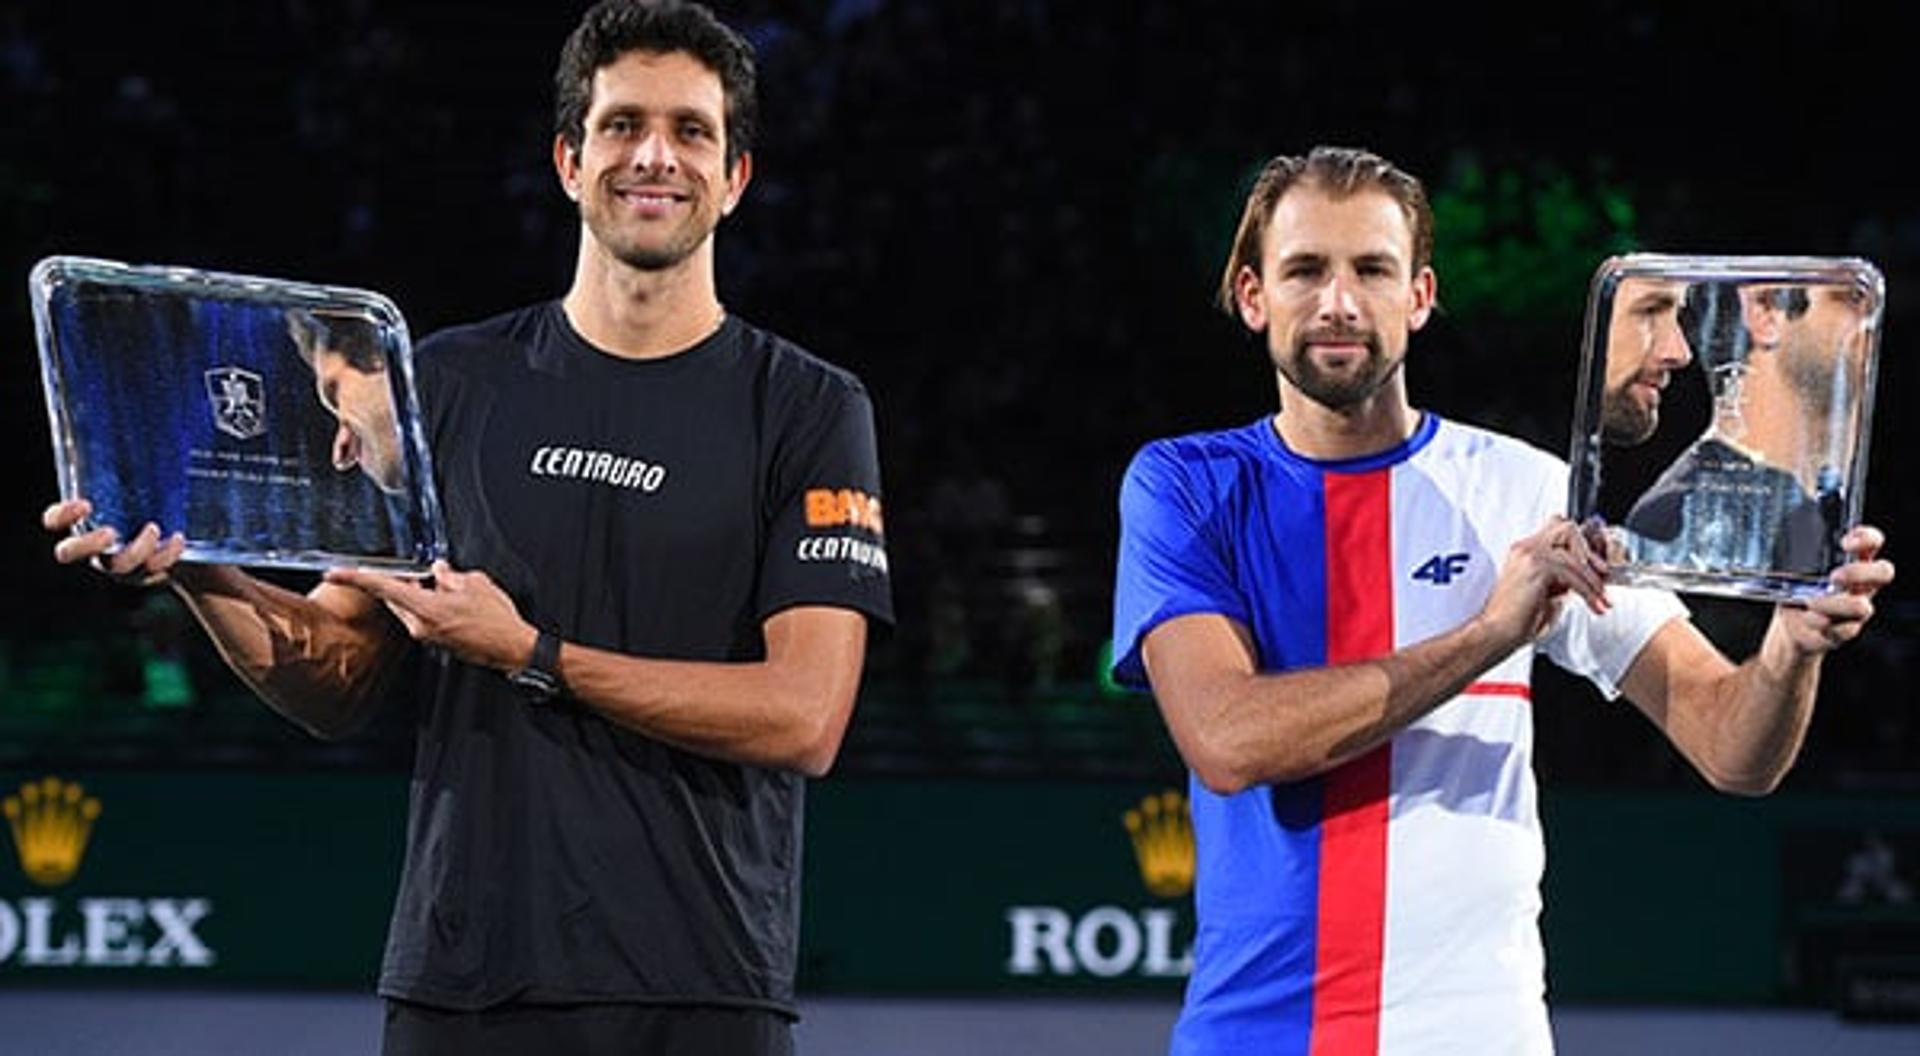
540,679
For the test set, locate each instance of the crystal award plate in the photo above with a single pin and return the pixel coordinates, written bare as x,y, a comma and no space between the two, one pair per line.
1721,429
274,423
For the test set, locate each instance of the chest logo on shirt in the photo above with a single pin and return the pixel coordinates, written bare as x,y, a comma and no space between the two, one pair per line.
1441,569
601,467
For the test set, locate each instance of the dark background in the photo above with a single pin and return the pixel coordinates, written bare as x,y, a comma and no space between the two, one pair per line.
1008,217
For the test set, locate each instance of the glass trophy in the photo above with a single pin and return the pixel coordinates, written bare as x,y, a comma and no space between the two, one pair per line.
1720,437
273,423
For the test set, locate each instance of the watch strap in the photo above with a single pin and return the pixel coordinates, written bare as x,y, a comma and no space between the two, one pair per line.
540,678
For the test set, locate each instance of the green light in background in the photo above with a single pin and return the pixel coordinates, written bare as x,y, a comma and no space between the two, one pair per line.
1103,675
167,684
1521,242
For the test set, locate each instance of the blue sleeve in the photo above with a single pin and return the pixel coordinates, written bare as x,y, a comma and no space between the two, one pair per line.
1172,560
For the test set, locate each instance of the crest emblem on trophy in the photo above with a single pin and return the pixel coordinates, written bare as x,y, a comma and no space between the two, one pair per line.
239,399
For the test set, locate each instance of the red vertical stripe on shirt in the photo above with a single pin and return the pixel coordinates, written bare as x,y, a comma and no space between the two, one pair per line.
1353,830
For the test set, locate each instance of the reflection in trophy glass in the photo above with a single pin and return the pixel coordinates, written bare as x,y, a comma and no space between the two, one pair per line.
1742,481
349,377
273,423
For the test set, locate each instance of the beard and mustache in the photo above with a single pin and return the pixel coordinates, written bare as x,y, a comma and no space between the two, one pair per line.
1343,389
637,248
1822,376
1624,420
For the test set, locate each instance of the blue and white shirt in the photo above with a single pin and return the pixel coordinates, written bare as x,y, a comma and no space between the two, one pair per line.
1389,905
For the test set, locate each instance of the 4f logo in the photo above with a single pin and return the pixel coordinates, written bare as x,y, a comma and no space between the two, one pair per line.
1441,569
239,401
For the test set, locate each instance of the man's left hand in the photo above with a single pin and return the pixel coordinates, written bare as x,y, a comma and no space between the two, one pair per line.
465,613
1831,620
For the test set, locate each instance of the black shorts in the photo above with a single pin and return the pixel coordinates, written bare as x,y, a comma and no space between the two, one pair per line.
585,1030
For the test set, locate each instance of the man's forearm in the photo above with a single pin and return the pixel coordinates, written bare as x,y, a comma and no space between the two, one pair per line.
322,667
1760,718
788,711
1739,725
1258,728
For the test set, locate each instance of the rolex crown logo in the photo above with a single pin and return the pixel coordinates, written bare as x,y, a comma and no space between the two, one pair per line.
1162,834
51,820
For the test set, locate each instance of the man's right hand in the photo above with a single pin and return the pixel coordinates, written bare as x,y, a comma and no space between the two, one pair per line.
1538,571
146,559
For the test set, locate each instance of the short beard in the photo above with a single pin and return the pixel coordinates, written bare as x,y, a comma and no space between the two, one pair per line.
648,258
1336,393
1625,423
652,258
1813,373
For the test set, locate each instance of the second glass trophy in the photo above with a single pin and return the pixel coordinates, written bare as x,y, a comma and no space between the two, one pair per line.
1723,418
274,423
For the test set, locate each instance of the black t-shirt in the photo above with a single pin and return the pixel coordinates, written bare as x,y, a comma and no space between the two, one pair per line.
661,508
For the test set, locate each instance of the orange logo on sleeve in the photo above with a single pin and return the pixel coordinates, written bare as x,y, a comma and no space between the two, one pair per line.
832,508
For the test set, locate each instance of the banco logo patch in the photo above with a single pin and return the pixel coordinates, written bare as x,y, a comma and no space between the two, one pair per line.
51,820
844,507
239,399
863,543
1162,834
1441,569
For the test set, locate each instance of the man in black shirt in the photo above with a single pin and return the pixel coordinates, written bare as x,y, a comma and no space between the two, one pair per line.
669,541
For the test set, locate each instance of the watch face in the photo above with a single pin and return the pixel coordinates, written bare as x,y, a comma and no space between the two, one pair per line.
538,685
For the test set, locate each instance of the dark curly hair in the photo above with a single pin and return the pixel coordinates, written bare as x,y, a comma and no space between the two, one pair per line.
344,335
612,28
